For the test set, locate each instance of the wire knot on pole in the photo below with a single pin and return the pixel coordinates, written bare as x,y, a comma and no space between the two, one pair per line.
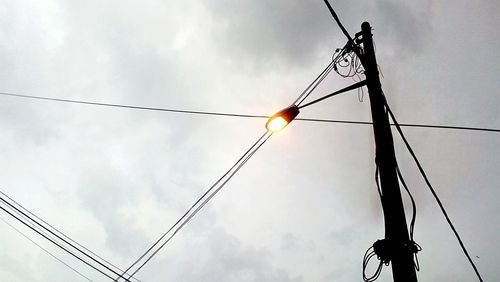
386,248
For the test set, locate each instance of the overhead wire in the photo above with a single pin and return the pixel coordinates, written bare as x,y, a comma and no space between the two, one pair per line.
412,200
57,230
26,221
398,127
45,250
354,70
230,173
414,246
196,207
223,114
130,106
206,200
310,88
337,55
56,243
433,192
9,205
337,20
369,254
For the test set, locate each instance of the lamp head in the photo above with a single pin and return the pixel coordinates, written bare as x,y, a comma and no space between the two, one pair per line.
282,118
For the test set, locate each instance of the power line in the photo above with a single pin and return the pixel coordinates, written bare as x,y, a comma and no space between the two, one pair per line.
436,197
310,88
196,207
336,18
45,250
229,173
12,207
223,114
58,231
56,243
206,200
130,106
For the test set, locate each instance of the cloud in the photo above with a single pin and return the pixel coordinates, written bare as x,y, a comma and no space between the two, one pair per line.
14,270
120,177
269,33
405,28
219,256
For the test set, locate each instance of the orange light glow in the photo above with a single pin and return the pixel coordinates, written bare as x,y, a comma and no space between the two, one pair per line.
276,124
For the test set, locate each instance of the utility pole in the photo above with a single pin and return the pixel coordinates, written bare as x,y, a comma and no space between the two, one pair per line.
397,242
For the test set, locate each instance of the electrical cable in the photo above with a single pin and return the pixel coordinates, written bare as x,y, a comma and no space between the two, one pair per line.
308,89
414,246
45,250
206,201
369,254
130,106
52,240
237,166
436,197
403,124
413,204
57,244
56,230
28,221
336,18
337,54
229,174
377,181
317,83
208,113
448,127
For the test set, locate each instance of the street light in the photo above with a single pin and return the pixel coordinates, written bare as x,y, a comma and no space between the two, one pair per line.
282,118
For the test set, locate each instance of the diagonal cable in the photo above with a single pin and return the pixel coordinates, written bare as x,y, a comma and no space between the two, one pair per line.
436,197
56,243
45,250
229,173
56,230
56,235
205,202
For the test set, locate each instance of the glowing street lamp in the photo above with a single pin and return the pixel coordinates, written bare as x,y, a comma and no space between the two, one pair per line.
282,118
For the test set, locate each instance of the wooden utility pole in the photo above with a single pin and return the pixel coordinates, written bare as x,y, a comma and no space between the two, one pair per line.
398,242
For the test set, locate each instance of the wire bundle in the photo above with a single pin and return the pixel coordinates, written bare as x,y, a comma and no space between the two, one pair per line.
347,63
369,254
56,237
193,210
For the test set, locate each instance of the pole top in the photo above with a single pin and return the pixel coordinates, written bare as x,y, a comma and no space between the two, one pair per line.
365,25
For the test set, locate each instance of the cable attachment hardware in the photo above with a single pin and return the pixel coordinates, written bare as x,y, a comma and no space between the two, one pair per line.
412,247
385,249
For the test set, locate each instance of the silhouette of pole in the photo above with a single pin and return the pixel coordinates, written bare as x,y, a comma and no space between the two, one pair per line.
403,268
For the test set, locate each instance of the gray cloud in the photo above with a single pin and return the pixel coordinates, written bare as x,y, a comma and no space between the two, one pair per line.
269,33
305,208
407,30
219,256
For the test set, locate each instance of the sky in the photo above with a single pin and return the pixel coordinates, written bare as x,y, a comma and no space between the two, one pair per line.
305,207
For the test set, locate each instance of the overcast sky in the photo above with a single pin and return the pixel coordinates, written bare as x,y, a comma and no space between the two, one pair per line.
305,207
